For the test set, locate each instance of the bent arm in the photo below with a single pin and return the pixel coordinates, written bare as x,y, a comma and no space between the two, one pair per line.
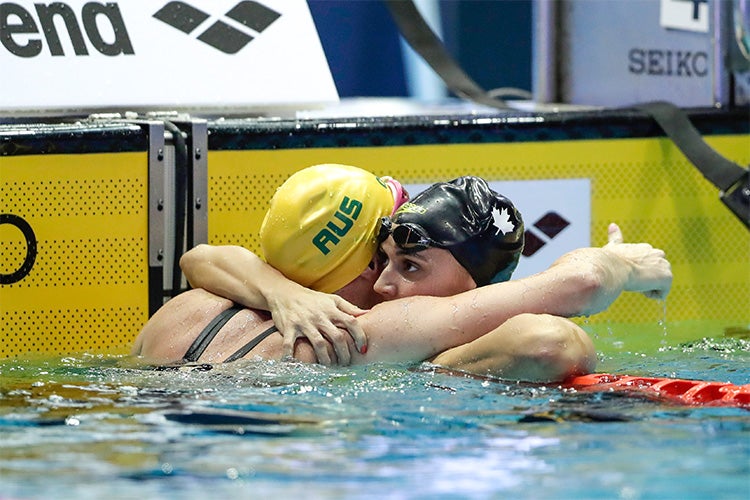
582,282
237,274
530,347
418,328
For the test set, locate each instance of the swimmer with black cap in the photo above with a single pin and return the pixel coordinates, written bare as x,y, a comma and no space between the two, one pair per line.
458,223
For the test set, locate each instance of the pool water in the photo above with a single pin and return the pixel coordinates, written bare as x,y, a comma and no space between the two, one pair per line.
103,427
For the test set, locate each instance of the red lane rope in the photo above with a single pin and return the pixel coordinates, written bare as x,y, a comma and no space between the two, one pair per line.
683,391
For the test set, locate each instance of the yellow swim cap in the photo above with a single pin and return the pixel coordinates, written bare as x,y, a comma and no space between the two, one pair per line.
321,228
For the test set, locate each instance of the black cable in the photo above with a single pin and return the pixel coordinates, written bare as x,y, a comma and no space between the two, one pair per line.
732,180
426,43
718,170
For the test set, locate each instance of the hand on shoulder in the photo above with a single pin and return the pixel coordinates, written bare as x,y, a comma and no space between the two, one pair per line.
325,320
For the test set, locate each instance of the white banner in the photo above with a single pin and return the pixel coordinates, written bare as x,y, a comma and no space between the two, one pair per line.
146,54
556,215
689,15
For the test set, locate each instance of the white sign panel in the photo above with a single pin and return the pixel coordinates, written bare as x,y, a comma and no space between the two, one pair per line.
556,215
690,15
146,54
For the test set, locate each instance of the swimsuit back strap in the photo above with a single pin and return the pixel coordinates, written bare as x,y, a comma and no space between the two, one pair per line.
207,335
251,345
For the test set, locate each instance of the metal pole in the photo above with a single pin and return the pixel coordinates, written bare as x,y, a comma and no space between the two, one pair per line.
721,37
545,80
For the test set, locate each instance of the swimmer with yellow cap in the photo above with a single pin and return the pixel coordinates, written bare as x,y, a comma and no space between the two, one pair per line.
320,232
322,225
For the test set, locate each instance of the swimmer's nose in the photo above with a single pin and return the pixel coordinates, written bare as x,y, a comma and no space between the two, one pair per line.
384,286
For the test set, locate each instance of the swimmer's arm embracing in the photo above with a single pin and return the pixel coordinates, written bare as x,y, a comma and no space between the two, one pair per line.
415,329
236,273
583,282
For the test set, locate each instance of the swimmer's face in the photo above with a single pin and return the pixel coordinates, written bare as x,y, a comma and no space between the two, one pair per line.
432,271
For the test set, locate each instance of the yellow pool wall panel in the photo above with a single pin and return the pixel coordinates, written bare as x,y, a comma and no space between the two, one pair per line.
87,290
645,185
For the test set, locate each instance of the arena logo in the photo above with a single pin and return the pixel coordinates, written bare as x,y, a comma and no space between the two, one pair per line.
21,33
549,225
220,35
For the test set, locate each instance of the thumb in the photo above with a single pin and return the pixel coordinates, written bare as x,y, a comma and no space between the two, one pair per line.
349,308
614,234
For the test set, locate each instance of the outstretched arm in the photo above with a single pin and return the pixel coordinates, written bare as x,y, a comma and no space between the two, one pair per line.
584,281
615,268
236,273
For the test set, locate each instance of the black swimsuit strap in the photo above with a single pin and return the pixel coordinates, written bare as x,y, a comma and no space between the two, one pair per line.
251,345
207,335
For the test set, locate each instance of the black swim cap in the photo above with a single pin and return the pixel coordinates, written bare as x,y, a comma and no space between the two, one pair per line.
481,228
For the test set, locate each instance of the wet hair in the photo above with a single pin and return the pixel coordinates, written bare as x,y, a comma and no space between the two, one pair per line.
482,229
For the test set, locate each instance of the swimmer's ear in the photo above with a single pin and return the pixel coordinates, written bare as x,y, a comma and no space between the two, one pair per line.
373,268
378,260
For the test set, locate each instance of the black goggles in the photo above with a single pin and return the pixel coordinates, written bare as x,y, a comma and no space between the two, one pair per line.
407,236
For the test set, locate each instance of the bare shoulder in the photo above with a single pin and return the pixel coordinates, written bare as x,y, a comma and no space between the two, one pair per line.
171,330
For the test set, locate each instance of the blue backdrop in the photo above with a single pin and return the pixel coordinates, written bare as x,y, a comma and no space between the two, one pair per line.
491,39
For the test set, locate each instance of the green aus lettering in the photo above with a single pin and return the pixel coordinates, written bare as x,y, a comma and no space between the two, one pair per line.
335,229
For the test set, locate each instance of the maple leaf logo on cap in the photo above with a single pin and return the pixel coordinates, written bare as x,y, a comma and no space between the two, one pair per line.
501,220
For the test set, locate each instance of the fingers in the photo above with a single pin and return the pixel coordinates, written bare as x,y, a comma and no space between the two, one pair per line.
352,325
337,338
358,334
656,294
658,279
648,270
347,307
318,343
329,324
288,344
325,337
290,336
614,234
321,338
314,316
659,293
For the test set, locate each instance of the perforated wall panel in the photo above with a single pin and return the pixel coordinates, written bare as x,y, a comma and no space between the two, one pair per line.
644,184
83,219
